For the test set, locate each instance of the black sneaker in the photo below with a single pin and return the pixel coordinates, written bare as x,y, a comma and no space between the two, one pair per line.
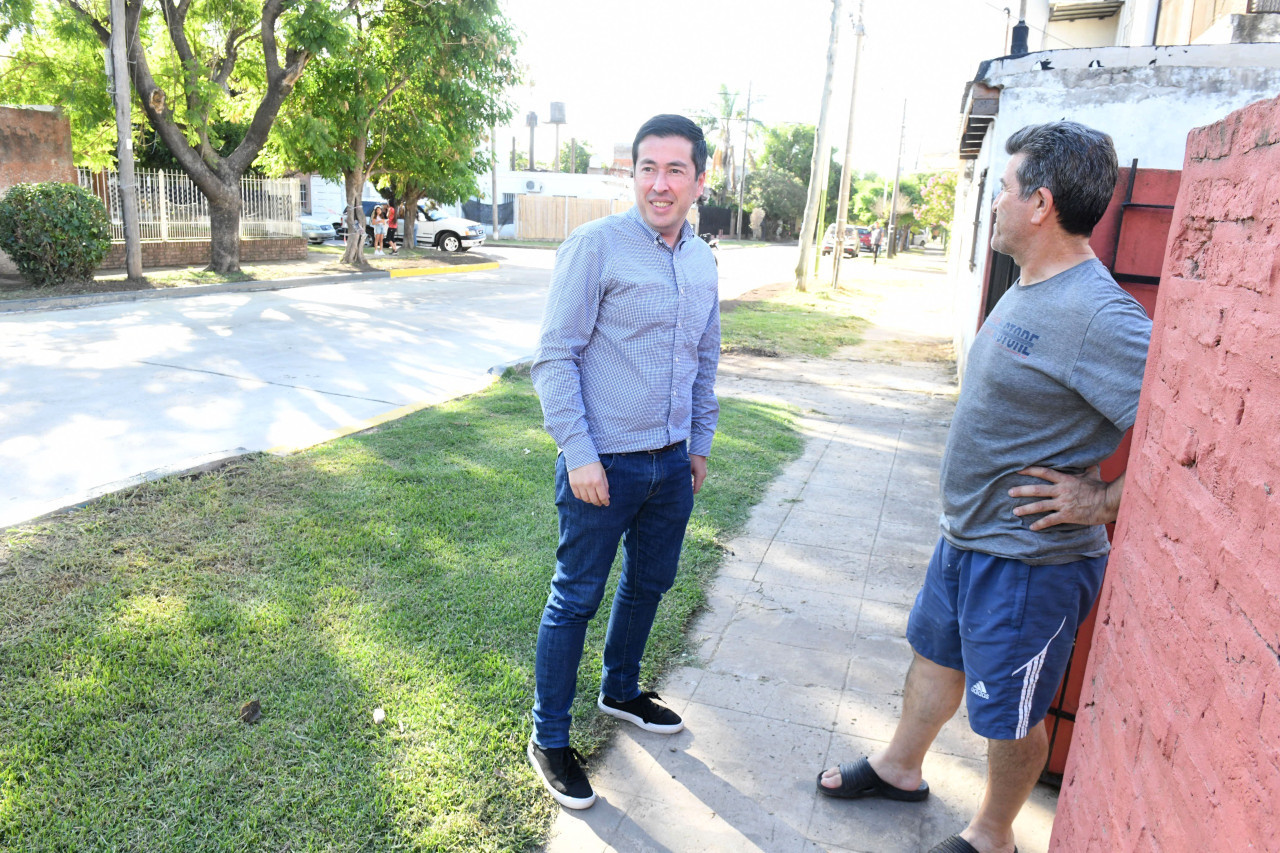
644,712
562,776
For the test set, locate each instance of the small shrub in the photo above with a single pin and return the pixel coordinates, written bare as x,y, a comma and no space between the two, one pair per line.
54,232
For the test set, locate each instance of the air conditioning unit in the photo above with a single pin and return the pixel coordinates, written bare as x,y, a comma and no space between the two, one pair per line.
533,186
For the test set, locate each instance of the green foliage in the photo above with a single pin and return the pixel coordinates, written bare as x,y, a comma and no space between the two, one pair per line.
581,162
53,60
54,232
781,194
407,103
789,148
938,200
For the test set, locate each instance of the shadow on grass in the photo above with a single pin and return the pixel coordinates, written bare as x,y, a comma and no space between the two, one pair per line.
404,568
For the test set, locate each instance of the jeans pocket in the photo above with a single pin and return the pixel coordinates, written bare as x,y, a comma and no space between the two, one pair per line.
607,460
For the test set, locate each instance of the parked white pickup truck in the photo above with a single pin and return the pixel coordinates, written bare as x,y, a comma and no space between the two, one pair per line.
448,233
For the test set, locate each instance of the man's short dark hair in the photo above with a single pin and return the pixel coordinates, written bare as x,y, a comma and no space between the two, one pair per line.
1075,163
668,124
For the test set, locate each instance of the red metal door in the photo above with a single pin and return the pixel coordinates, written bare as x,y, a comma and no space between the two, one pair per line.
1131,241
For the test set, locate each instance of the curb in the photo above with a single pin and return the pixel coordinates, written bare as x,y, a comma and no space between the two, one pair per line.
208,462
55,303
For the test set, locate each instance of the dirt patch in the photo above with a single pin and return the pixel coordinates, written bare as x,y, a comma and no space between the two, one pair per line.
760,294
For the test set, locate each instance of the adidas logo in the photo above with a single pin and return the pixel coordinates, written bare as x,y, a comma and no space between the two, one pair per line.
979,690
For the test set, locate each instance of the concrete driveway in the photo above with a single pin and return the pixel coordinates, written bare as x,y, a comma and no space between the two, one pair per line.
101,397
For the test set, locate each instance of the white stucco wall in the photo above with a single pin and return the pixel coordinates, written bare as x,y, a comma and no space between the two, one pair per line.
1087,32
1148,99
558,183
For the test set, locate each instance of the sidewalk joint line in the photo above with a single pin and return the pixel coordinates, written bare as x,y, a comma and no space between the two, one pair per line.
268,382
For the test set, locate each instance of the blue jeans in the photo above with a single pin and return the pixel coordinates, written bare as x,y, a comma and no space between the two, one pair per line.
650,499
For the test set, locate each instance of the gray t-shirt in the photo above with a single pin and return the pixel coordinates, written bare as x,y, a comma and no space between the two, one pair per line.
1052,380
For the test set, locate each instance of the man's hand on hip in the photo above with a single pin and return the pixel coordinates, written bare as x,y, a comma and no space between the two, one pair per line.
1085,499
590,484
699,466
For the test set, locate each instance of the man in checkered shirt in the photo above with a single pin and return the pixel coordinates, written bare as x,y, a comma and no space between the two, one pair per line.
625,371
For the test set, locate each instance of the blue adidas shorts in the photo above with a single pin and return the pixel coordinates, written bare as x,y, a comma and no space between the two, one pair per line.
1007,625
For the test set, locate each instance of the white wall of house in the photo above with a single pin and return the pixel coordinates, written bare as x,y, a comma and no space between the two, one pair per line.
1148,99
556,183
330,197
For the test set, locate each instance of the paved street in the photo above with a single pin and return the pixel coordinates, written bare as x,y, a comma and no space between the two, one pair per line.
97,397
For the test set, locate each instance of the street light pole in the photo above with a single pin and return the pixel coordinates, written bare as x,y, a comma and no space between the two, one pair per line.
846,173
897,179
746,130
808,231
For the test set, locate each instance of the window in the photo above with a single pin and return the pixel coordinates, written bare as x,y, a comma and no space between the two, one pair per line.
304,184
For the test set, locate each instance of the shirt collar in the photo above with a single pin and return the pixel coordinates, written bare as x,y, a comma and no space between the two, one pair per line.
686,229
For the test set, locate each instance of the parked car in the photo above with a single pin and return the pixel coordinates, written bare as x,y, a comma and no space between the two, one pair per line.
851,243
864,238
448,233
317,228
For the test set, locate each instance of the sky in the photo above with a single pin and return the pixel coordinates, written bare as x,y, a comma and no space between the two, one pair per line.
615,64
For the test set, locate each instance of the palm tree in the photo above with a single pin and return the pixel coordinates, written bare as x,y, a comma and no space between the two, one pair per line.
719,119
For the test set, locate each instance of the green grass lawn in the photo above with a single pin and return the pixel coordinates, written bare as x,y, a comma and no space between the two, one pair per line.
812,324
403,569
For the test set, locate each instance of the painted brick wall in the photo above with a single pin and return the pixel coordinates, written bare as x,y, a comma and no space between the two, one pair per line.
35,146
1177,742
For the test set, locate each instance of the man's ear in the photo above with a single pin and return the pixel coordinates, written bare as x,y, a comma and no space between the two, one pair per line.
1042,209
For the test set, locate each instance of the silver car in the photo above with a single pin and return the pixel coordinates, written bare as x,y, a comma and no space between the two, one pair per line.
317,229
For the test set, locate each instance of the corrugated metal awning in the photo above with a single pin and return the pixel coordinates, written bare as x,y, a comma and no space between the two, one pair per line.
1076,10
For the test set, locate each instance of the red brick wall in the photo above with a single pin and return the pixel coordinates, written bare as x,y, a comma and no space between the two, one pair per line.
187,253
1177,742
35,145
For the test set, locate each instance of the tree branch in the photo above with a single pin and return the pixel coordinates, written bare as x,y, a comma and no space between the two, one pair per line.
103,34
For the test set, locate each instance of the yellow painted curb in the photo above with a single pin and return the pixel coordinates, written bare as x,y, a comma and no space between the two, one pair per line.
492,265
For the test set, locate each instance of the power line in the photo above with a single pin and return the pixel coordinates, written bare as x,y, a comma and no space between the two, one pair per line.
1043,32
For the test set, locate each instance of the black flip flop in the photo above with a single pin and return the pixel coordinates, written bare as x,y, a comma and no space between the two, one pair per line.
956,844
859,780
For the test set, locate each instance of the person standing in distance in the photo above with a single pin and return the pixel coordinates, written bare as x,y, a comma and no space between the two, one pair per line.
1051,386
625,370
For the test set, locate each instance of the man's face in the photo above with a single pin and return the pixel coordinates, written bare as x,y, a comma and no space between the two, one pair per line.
666,185
1011,214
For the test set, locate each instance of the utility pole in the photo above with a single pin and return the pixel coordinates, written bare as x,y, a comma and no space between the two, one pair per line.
846,173
897,178
532,120
493,168
808,236
121,91
746,129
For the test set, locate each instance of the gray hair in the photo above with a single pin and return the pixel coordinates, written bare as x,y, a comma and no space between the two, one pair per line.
1075,163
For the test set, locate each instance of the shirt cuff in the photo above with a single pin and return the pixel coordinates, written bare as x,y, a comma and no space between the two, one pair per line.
579,453
700,445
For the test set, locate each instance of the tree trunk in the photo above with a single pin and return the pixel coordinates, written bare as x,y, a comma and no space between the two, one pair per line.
353,180
224,228
409,218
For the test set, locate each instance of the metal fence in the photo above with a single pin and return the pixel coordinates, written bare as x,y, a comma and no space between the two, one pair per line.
172,207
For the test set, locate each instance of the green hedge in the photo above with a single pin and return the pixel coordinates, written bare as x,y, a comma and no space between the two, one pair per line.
54,232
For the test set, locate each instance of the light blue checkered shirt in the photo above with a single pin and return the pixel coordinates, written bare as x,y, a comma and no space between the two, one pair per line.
630,341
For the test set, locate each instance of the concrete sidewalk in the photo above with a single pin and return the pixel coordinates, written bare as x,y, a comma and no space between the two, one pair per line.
801,655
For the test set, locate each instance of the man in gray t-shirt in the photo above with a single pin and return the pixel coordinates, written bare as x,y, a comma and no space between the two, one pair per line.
1051,386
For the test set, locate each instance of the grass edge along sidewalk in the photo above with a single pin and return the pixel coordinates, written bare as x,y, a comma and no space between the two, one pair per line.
404,568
